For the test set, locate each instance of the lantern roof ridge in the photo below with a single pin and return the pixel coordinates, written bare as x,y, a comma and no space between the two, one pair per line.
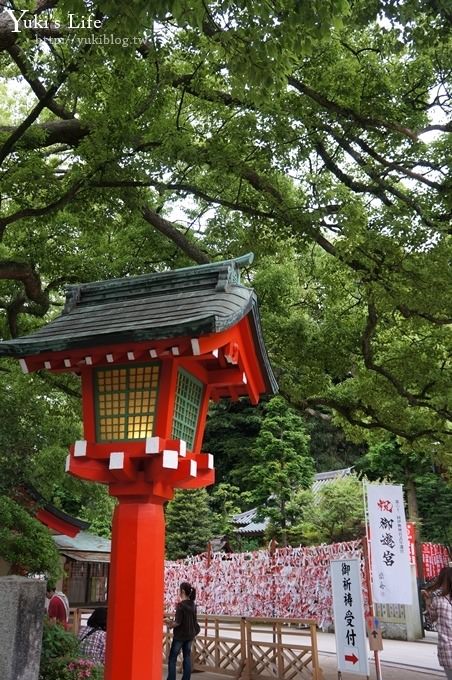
222,274
190,302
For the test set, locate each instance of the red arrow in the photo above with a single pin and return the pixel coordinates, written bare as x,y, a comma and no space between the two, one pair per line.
351,657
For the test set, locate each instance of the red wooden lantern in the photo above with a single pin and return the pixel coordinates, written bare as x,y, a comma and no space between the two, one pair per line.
151,351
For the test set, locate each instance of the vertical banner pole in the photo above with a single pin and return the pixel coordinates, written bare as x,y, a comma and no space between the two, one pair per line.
367,571
207,600
371,605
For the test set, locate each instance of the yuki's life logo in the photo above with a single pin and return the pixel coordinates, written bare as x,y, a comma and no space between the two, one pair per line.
22,19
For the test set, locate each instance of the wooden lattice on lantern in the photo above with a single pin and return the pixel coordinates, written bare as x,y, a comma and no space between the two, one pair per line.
151,351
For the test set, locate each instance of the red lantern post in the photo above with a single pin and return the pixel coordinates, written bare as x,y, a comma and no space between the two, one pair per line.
151,352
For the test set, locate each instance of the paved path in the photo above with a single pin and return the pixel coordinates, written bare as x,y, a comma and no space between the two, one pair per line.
329,668
400,661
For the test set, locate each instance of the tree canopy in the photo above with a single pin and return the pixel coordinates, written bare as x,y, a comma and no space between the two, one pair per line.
25,543
428,496
315,133
335,513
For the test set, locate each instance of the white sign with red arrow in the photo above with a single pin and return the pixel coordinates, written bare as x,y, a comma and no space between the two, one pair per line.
351,648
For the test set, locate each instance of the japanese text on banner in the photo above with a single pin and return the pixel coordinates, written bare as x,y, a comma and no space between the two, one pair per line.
349,616
390,561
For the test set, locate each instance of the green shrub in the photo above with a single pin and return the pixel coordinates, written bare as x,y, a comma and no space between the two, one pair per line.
25,543
57,642
66,668
60,657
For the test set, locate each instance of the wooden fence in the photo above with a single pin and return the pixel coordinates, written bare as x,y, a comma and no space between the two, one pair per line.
75,617
249,648
253,648
276,651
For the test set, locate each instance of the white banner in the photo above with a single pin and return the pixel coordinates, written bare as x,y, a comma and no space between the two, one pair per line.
389,553
351,648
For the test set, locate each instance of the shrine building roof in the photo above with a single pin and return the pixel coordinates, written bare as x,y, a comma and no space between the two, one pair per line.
55,519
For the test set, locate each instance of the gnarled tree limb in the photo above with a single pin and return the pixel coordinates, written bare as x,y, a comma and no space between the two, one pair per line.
169,230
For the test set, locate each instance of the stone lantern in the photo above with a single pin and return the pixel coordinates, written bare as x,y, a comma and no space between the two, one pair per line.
151,352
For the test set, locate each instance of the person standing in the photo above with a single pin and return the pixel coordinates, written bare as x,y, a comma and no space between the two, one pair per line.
438,600
58,606
185,628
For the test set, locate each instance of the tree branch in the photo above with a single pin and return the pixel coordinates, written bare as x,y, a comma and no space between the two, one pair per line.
392,165
7,37
38,88
39,212
186,189
369,362
168,229
42,5
407,313
214,96
40,105
53,381
344,111
69,132
22,271
439,128
373,422
374,175
351,183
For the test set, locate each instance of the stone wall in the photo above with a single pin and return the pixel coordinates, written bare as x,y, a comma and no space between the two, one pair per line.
22,611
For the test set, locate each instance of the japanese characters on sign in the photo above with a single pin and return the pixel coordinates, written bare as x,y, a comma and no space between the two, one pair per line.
349,616
389,554
411,534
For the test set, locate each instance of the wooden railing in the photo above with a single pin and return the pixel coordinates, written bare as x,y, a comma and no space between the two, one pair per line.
75,617
276,651
250,648
221,645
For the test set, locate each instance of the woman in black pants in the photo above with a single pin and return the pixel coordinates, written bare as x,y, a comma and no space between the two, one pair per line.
185,628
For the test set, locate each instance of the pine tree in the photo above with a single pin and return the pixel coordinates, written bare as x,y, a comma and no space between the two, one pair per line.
189,523
282,464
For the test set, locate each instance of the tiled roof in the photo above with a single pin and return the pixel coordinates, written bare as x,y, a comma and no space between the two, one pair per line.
246,523
184,302
85,547
245,518
323,478
83,542
59,514
253,528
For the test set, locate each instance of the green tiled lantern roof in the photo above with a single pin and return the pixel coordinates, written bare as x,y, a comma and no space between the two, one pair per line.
184,302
